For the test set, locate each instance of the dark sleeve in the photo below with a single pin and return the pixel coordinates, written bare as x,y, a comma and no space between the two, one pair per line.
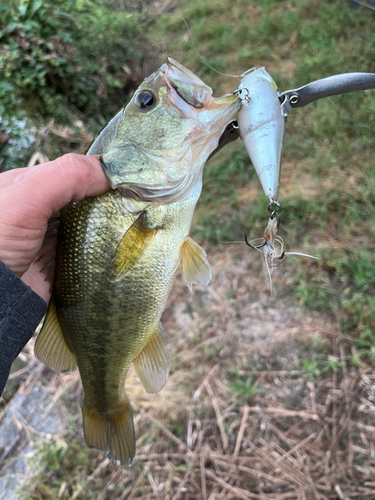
21,310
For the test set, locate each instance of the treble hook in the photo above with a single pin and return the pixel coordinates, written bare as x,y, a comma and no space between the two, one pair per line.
254,247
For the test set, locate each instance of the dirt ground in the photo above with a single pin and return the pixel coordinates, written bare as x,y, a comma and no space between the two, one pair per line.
244,415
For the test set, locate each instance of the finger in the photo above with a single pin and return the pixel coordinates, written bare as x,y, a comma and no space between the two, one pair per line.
35,279
11,176
34,194
48,187
7,178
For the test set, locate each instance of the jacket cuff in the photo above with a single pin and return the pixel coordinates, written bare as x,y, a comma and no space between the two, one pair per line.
19,305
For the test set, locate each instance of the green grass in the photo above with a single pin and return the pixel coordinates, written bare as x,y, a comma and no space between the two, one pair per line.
62,458
332,140
320,362
245,389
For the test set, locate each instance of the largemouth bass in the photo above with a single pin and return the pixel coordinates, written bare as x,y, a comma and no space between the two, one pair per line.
118,254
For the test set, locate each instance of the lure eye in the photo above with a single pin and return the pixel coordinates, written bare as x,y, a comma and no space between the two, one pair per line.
145,100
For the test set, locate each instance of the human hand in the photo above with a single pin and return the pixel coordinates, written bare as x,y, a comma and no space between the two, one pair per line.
29,197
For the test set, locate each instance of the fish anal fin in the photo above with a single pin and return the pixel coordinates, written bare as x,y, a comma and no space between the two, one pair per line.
195,267
51,347
132,246
152,364
113,432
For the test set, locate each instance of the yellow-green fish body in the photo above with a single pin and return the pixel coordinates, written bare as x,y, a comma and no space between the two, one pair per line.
118,254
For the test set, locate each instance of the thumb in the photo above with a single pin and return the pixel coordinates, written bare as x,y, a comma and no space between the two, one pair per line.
48,187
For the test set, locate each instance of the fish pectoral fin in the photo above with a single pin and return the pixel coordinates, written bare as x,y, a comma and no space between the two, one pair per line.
152,365
114,432
51,347
195,267
132,246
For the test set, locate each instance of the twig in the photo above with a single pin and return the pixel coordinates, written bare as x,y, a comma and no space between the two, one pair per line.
296,447
224,438
256,473
20,372
166,431
203,475
176,496
368,428
62,489
241,431
245,495
114,480
197,393
340,493
134,488
95,472
305,415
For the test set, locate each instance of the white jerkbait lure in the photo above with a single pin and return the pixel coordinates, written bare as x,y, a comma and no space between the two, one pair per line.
261,122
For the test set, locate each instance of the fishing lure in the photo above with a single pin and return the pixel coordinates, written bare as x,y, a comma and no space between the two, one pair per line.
261,126
261,122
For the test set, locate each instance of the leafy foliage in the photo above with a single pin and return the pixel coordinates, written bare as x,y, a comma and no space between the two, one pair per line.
64,52
59,55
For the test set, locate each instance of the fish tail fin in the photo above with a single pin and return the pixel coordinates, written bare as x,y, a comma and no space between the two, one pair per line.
113,432
95,429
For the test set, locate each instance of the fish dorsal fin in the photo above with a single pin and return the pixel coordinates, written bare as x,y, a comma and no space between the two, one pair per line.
132,246
195,267
51,347
152,365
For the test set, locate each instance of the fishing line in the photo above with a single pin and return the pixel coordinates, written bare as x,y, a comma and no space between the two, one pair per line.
204,60
230,242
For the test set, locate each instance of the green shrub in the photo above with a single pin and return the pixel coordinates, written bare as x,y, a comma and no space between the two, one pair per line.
62,55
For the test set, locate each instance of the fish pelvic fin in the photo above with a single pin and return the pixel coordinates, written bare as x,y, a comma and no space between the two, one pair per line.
152,365
51,347
195,267
132,246
113,432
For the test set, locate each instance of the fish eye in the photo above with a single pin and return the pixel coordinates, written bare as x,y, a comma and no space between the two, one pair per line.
145,100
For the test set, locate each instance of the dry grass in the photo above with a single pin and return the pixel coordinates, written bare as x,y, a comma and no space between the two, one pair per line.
300,438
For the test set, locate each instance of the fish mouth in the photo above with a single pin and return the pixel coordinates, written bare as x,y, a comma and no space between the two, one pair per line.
160,194
227,99
191,88
187,85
